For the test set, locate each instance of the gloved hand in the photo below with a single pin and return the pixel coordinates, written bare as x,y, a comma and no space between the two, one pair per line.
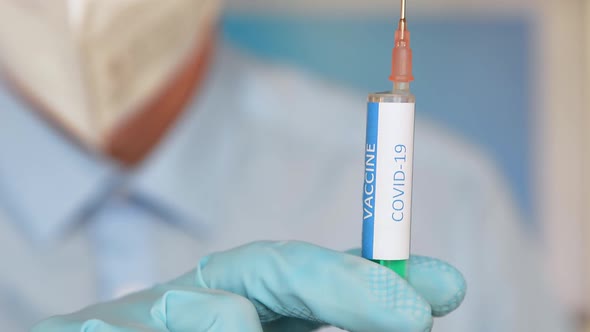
280,286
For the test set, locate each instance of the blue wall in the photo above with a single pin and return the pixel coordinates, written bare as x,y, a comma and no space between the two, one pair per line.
471,75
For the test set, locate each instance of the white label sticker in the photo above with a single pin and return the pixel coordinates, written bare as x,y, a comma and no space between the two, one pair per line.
390,221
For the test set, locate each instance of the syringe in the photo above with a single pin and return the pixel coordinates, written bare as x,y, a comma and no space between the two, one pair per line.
389,157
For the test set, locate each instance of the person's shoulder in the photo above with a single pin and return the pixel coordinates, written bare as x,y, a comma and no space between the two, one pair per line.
310,105
289,80
299,103
452,154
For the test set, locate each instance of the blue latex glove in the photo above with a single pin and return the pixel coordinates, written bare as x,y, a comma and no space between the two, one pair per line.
280,286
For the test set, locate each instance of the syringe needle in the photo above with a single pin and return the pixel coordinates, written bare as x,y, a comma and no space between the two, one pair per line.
402,20
402,54
403,10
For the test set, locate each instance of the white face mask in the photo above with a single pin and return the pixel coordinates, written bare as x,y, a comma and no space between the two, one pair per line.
92,63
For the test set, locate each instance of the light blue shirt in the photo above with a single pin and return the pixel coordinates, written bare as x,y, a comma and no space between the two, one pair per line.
262,152
50,187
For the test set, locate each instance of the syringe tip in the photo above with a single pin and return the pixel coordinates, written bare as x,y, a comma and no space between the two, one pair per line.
401,70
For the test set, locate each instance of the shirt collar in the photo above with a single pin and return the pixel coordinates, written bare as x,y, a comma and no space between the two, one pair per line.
46,182
183,177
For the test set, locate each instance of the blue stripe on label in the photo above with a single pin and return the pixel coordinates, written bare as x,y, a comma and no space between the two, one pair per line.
370,179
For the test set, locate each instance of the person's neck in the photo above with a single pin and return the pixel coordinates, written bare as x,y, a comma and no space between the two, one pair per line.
132,141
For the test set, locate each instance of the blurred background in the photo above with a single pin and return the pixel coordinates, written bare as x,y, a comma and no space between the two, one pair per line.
509,76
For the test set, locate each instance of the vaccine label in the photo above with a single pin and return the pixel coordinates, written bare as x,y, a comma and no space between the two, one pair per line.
387,190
